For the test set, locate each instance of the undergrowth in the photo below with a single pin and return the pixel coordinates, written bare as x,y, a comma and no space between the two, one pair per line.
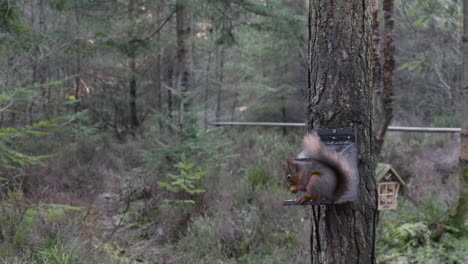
185,195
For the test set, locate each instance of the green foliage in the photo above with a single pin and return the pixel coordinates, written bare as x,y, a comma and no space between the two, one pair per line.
57,254
187,181
445,120
84,129
420,141
14,229
257,176
60,5
244,221
56,251
189,142
404,236
9,140
10,16
35,232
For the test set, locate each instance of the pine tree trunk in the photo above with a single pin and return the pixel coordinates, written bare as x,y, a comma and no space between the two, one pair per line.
184,50
220,68
78,60
133,95
132,66
43,62
460,214
157,81
376,64
389,64
208,66
340,95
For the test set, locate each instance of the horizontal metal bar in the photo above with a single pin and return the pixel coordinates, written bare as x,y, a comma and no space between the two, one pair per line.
426,129
390,128
278,124
309,202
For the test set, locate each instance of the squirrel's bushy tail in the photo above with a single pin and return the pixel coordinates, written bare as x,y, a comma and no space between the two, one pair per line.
347,176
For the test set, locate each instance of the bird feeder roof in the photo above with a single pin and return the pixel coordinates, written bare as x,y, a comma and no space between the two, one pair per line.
383,168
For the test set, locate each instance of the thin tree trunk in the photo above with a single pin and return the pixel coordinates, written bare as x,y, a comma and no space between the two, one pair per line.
376,64
207,73
42,61
460,215
77,61
34,70
170,80
184,52
234,105
220,68
158,64
283,113
389,64
132,66
340,95
133,95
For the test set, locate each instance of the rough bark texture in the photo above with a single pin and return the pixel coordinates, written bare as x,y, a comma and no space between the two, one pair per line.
376,64
460,215
184,46
340,95
389,64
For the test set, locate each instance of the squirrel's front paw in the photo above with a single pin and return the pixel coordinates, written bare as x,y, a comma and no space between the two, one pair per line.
302,199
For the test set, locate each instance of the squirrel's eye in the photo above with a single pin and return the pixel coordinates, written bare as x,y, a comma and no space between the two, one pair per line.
289,176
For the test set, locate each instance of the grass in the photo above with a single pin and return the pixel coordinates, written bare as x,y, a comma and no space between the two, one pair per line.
238,218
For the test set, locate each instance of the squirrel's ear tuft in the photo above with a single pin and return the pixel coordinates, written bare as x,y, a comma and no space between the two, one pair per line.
292,164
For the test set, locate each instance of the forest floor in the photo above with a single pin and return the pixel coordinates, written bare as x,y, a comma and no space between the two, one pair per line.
238,219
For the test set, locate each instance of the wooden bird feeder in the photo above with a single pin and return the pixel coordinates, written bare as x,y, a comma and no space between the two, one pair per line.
389,182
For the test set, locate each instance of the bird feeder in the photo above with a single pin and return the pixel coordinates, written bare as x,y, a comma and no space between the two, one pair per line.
389,182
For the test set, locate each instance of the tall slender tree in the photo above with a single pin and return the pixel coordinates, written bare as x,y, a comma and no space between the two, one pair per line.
340,95
460,215
387,95
376,64
132,66
184,50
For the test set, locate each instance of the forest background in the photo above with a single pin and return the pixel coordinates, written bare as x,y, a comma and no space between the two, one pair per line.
107,155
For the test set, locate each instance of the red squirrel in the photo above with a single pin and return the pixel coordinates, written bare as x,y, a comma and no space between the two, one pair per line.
325,176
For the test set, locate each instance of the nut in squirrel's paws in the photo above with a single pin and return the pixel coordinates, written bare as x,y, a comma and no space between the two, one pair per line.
293,189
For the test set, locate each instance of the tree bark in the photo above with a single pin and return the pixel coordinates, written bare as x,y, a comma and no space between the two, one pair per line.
376,64
184,50
78,53
340,95
460,215
220,70
157,80
132,65
133,95
208,66
43,62
388,87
